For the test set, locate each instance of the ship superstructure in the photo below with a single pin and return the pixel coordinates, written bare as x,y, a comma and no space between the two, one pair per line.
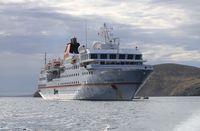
103,72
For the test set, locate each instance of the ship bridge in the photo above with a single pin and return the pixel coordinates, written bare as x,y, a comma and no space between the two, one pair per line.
107,52
111,57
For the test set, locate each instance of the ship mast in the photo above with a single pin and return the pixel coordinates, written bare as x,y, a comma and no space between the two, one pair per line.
86,33
45,59
105,32
107,35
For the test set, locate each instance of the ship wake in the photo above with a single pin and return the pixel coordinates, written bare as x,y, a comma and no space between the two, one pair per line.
190,124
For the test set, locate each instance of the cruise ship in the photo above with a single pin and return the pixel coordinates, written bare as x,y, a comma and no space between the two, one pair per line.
103,72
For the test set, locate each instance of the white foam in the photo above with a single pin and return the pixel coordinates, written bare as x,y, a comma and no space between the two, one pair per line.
107,127
190,124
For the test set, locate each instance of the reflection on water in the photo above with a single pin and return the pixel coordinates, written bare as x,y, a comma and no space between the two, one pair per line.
154,114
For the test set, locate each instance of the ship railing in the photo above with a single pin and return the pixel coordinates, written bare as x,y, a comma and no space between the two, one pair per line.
120,67
112,60
97,61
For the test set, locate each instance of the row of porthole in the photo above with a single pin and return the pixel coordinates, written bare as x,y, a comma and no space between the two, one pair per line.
70,75
120,63
41,85
87,73
73,67
72,82
44,78
116,56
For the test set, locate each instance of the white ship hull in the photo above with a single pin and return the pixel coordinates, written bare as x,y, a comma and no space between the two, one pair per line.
92,92
99,90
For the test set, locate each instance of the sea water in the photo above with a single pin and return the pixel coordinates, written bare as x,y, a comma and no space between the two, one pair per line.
153,114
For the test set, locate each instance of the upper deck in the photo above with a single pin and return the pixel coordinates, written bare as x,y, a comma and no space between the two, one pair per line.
107,52
103,55
114,51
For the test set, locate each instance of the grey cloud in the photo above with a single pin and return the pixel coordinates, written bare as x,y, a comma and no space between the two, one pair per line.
190,7
27,24
34,29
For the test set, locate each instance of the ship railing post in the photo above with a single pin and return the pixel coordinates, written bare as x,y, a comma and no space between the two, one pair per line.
45,59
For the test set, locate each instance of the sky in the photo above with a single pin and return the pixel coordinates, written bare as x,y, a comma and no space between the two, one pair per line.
165,31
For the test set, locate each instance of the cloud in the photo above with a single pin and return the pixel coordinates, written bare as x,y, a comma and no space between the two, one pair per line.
143,14
170,54
4,34
166,31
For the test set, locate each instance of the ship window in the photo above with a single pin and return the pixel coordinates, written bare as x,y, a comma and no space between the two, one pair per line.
103,56
93,56
121,56
130,56
122,63
102,62
112,56
84,56
138,57
112,63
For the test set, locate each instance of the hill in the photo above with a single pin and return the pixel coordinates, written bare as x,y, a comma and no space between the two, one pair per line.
172,80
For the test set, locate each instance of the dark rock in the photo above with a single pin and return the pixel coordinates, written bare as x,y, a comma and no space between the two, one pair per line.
36,94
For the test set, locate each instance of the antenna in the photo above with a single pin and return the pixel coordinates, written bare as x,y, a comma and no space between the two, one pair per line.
45,59
85,33
105,32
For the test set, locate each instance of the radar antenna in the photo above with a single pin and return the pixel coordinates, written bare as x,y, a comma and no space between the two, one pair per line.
105,32
45,59
86,33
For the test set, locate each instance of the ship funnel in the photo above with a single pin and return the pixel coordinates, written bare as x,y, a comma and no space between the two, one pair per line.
74,46
73,41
